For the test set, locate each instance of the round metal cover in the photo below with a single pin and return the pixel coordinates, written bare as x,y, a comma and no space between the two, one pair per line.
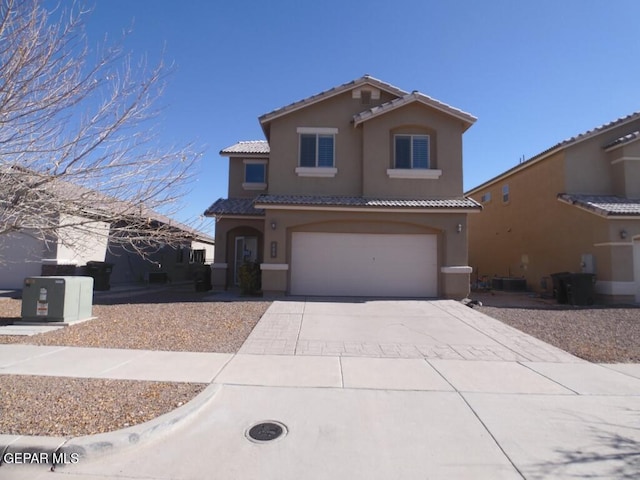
266,431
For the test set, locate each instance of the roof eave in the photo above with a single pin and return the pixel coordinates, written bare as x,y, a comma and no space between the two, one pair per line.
345,208
466,118
268,117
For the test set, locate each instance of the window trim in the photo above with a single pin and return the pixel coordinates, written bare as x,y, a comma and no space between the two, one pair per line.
254,185
411,156
420,173
317,170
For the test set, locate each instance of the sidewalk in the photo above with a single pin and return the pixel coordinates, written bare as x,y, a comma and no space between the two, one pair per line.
375,390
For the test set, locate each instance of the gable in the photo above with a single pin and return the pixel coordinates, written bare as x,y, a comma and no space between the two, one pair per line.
383,96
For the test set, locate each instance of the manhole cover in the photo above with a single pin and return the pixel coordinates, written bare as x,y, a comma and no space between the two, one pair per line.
266,431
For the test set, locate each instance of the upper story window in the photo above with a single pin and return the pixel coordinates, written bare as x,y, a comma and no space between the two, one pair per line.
505,193
412,151
486,197
411,158
255,175
317,152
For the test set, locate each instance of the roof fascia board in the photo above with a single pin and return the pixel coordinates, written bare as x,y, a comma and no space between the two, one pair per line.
598,212
326,208
424,100
219,216
622,144
244,155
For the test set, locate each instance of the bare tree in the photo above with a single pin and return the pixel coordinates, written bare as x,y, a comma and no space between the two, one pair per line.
77,143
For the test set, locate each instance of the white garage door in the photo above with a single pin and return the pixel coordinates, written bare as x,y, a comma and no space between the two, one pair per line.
356,264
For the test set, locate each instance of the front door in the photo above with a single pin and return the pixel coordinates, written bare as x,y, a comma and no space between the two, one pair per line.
246,251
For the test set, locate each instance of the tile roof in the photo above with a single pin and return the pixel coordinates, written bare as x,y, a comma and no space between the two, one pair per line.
336,201
604,205
622,140
410,98
595,131
366,79
247,147
234,206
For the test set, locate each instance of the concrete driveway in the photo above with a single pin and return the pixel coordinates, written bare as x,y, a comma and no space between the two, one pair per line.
379,389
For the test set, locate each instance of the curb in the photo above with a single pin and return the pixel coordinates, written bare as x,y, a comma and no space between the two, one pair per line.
61,450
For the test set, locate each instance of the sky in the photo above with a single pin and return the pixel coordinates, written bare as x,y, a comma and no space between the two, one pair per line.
534,73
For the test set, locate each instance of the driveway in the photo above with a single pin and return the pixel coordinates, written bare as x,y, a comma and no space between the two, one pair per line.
378,389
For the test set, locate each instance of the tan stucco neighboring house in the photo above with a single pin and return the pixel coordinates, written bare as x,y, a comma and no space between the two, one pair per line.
574,207
357,191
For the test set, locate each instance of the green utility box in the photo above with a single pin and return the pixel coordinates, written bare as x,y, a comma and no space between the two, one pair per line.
57,299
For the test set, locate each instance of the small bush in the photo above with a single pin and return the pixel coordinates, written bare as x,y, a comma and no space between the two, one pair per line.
250,278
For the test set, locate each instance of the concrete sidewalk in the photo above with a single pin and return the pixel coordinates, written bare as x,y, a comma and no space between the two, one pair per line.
366,389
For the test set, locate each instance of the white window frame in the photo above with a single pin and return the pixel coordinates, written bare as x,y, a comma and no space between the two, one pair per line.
254,185
414,172
317,171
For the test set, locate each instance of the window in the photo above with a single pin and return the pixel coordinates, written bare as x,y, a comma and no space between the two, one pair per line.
255,175
412,151
505,193
486,197
317,152
197,256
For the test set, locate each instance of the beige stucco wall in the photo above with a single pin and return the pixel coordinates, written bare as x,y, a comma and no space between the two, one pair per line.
336,112
236,178
445,135
588,169
625,165
535,235
532,235
452,245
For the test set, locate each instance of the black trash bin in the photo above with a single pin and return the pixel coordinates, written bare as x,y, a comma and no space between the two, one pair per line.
101,273
560,286
202,279
580,288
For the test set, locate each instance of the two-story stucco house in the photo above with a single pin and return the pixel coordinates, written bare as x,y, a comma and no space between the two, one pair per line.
357,191
574,207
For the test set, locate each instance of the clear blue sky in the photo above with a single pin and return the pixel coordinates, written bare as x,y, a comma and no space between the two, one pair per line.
533,72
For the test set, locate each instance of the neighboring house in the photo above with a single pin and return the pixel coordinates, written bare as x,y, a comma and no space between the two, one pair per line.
73,240
356,191
25,256
574,207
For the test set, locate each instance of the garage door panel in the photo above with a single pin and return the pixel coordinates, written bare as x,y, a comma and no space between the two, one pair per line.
363,264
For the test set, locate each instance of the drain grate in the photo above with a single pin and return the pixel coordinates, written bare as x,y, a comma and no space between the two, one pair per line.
266,431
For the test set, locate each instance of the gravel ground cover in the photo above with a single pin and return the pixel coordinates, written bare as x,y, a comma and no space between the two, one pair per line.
171,320
174,320
597,333
61,407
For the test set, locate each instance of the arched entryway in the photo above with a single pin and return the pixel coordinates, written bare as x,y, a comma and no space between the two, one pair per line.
244,244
